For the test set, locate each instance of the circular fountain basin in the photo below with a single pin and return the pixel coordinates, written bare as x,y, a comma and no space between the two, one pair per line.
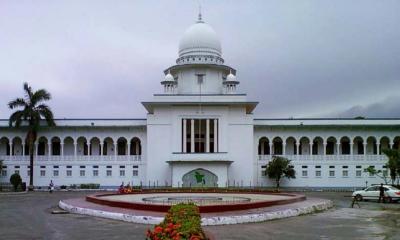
207,201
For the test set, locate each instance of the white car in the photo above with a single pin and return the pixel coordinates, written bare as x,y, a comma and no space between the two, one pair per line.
372,193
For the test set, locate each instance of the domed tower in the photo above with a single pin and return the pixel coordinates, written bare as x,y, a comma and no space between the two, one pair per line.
200,67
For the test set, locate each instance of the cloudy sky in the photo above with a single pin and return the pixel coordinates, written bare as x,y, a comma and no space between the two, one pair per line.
297,58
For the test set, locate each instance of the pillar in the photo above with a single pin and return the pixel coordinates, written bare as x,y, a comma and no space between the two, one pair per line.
62,148
216,135
129,149
208,135
324,148
365,148
192,135
11,149
297,148
101,148
115,150
378,151
351,148
50,149
23,149
270,148
337,148
184,143
284,148
75,149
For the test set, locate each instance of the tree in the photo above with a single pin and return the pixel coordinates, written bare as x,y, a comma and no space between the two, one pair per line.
278,168
373,172
15,180
32,111
393,163
1,165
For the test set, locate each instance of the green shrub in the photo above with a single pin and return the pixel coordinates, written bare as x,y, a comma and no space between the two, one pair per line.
89,186
182,221
15,180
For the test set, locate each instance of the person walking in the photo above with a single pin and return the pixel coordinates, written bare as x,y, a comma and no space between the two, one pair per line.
51,186
381,193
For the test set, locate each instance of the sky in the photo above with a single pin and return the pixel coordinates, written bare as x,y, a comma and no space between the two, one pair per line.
100,59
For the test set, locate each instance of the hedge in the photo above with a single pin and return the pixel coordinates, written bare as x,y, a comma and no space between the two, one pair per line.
182,222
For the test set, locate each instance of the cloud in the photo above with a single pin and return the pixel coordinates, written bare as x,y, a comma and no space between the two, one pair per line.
388,108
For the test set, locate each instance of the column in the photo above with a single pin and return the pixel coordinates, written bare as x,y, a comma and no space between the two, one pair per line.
324,148
351,148
11,149
75,149
23,149
129,149
49,147
284,148
365,148
391,145
297,148
192,135
101,149
208,135
337,148
184,136
115,150
310,147
377,148
216,135
62,149
270,148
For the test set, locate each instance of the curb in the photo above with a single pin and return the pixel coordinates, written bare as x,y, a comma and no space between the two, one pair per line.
210,221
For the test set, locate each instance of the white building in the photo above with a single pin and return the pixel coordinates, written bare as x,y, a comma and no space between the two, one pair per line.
201,131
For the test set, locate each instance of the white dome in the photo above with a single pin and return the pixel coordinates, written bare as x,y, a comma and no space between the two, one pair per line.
169,78
200,39
231,77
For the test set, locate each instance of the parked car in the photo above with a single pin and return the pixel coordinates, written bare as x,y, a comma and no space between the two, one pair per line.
372,193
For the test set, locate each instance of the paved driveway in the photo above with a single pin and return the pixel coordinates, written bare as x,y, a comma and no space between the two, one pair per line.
28,216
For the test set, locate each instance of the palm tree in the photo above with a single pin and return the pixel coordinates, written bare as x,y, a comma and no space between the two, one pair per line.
32,112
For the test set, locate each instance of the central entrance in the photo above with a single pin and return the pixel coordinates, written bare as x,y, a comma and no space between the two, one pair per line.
200,178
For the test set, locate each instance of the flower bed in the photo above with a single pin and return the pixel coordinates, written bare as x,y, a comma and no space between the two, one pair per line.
182,222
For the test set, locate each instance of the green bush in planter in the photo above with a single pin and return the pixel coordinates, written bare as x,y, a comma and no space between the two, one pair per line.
15,180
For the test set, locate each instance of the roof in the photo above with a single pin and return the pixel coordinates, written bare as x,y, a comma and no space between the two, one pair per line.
93,122
326,122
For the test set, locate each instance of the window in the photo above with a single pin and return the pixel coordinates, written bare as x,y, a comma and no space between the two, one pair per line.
109,173
304,173
28,173
82,173
318,173
4,173
69,173
331,173
345,173
43,173
358,173
200,137
16,171
55,173
95,173
122,173
135,173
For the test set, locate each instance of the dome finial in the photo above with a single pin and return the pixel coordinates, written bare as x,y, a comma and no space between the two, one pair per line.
200,19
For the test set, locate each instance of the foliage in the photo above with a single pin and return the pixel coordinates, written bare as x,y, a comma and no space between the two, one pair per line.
278,168
1,165
393,163
15,180
182,221
373,172
32,110
90,186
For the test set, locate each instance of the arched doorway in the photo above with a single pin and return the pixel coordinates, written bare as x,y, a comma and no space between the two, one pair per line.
199,178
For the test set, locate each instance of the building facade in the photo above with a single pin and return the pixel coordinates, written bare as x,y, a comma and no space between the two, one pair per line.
201,132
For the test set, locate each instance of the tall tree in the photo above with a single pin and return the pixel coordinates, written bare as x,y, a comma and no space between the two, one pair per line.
32,114
278,168
393,163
